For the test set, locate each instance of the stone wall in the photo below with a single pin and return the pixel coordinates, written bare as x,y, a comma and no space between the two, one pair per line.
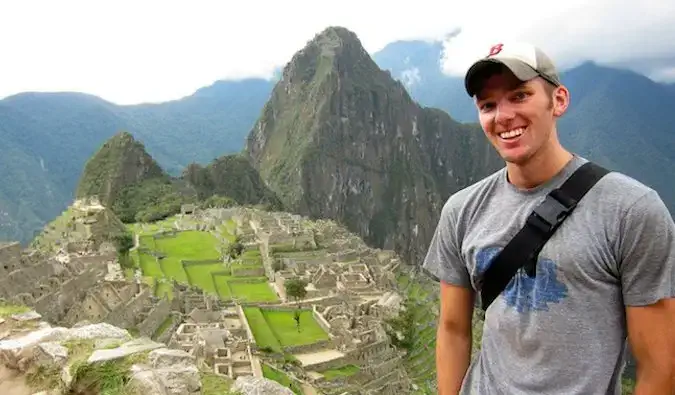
53,307
320,320
175,323
126,315
156,317
331,364
309,348
10,257
248,271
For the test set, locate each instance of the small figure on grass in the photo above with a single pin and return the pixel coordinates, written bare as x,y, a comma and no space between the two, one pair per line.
296,317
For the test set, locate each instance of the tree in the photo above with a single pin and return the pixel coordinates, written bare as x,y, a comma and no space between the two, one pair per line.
235,249
295,288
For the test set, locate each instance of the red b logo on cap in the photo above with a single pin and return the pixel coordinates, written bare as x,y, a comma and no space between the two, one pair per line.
496,49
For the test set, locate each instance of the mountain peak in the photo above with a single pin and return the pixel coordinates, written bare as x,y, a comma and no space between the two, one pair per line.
120,161
327,53
336,34
340,139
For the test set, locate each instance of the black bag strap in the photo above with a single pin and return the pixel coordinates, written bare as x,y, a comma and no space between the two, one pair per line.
524,248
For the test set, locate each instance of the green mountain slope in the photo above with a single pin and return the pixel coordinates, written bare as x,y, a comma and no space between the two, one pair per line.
231,176
340,139
48,137
120,162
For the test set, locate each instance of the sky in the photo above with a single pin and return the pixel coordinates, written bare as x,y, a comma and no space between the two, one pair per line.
137,51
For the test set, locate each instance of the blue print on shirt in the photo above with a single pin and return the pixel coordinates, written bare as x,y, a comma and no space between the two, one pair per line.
523,292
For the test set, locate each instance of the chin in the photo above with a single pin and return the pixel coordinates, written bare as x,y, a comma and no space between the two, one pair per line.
516,158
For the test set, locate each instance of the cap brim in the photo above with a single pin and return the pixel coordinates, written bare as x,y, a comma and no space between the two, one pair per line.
475,74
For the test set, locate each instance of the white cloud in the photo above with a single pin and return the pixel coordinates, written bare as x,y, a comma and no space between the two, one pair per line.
608,32
133,51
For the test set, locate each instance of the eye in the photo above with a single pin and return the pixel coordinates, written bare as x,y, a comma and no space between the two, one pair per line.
520,96
486,106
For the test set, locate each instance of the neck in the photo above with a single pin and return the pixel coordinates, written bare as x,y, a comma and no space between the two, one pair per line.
540,168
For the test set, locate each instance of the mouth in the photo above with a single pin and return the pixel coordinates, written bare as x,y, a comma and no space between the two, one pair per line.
512,134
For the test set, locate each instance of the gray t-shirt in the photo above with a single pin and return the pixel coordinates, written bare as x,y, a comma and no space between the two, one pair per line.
563,331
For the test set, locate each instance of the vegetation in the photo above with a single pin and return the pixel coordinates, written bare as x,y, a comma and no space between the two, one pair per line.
8,309
401,328
150,201
275,329
231,176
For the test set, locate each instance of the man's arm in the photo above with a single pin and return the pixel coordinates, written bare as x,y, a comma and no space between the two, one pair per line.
651,335
647,269
453,337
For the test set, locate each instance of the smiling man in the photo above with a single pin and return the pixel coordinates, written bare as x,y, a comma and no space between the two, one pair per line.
603,279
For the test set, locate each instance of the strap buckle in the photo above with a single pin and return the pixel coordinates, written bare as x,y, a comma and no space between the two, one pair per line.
551,212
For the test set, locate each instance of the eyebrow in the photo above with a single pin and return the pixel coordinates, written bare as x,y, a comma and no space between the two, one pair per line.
515,86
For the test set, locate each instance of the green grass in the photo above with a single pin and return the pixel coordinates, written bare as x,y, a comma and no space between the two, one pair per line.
264,336
7,309
147,263
173,268
189,245
164,288
342,371
196,246
221,284
284,328
253,292
213,384
201,275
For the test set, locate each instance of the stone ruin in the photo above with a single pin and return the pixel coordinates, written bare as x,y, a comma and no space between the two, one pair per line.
70,287
220,340
350,292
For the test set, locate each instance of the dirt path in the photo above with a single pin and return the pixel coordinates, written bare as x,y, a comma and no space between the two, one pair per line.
12,383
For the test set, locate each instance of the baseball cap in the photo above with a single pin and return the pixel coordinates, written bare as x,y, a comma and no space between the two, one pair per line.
525,61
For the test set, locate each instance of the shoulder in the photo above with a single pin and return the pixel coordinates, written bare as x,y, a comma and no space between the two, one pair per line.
624,193
628,207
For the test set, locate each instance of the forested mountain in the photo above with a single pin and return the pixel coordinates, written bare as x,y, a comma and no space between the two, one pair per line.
48,137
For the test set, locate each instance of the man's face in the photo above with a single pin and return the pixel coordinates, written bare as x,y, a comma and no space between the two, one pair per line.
518,118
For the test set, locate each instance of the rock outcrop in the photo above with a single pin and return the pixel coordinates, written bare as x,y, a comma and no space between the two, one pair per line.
91,357
259,386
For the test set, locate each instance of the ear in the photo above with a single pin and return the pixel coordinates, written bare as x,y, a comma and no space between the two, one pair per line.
561,100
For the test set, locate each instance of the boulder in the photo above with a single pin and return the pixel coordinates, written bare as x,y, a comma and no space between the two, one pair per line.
249,385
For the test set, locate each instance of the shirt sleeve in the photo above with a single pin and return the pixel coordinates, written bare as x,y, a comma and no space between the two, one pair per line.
647,251
444,259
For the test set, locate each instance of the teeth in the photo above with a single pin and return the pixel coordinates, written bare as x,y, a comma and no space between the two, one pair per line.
512,133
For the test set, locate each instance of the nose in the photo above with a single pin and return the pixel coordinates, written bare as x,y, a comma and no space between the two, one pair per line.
504,113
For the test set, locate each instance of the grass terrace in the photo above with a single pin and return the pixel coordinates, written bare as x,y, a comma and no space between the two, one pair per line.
194,257
276,329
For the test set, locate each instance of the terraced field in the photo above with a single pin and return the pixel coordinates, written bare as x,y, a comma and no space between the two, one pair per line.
195,258
277,329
